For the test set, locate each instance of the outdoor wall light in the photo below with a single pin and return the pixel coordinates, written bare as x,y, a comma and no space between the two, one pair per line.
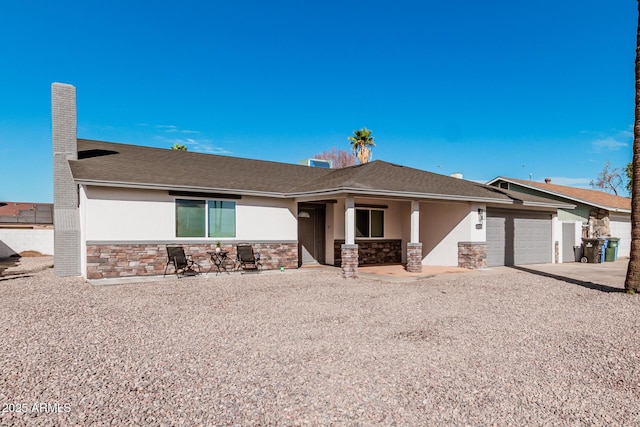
480,215
303,214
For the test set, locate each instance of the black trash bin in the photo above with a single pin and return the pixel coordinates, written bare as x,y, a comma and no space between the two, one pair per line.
592,250
577,252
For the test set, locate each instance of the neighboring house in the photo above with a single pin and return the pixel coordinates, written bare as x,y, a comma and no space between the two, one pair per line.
595,213
26,227
122,204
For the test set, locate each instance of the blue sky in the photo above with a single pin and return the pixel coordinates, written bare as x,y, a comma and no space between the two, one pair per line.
487,88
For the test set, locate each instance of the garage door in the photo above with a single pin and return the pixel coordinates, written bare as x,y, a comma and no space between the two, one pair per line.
516,238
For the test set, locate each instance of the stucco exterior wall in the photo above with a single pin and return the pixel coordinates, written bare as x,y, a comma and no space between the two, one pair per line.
330,214
443,225
337,222
395,215
580,213
556,239
114,214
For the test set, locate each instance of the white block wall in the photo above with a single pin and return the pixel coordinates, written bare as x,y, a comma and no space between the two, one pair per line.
18,240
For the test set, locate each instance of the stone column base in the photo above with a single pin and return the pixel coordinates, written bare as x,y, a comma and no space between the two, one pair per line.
349,254
414,257
472,255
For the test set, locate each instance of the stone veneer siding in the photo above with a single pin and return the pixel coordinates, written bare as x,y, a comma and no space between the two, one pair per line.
472,255
414,257
146,259
349,261
372,251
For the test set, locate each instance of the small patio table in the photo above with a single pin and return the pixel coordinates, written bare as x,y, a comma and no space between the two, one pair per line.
218,260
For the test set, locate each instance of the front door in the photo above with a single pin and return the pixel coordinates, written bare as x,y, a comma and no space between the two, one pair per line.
311,236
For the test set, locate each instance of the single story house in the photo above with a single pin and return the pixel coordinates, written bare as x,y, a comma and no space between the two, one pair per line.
594,213
25,227
117,206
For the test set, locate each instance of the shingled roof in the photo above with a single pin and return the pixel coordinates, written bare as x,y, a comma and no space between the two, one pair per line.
107,163
383,178
586,196
138,166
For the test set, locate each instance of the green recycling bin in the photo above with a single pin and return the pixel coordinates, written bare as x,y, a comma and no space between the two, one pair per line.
614,242
610,254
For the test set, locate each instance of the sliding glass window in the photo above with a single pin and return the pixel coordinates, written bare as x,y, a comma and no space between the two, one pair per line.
200,218
369,223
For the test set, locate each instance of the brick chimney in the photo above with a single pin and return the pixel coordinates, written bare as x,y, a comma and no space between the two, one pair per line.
66,219
547,180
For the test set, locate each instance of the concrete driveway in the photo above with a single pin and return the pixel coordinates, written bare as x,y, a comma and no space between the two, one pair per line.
608,276
603,276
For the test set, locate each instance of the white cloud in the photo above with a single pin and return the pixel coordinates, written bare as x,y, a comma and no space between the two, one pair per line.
198,146
608,144
612,141
627,134
210,149
571,182
195,145
175,129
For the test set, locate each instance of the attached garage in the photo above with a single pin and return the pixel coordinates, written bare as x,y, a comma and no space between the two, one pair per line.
518,237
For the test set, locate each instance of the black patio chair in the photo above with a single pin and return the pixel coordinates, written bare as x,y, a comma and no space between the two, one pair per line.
248,260
183,264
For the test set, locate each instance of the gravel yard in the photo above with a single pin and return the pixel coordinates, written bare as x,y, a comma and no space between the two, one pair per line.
309,348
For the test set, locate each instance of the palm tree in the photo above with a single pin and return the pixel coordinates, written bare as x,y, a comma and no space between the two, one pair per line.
361,143
179,147
632,282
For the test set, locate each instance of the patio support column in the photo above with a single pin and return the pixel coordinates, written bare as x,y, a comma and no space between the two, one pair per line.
415,221
349,250
414,247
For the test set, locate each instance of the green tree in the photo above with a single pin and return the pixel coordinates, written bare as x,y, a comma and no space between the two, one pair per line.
361,143
629,173
180,147
632,281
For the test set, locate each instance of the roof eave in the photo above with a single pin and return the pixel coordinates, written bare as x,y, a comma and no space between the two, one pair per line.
549,205
162,187
319,193
619,210
388,193
585,202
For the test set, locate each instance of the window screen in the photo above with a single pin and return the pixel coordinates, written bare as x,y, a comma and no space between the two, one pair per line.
190,218
222,218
